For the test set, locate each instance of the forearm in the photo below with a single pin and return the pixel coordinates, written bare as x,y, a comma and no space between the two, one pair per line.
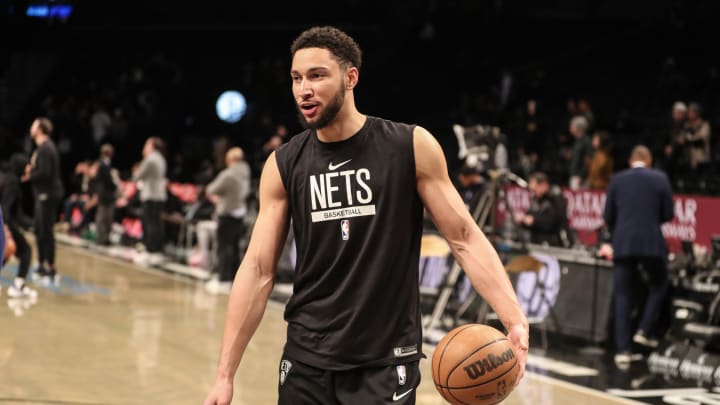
250,293
486,272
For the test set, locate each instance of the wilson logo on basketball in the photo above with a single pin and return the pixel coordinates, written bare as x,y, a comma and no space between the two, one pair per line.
489,363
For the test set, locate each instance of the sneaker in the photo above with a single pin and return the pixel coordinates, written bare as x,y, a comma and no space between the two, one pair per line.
40,272
22,291
623,359
218,287
156,259
643,340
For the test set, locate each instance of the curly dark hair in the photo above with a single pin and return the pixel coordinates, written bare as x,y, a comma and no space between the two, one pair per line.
345,50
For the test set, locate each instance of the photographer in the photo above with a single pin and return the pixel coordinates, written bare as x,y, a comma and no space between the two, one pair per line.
546,216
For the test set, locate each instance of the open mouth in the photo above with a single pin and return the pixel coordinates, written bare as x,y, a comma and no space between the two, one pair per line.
309,109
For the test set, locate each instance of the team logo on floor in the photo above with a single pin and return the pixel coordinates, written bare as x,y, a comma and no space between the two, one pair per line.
285,367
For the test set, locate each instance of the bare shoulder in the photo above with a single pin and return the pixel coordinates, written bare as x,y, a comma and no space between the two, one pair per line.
429,157
271,184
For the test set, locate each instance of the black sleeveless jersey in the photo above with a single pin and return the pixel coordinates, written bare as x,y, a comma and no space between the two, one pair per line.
357,219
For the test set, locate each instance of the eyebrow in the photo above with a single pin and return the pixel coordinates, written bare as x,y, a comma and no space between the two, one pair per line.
312,69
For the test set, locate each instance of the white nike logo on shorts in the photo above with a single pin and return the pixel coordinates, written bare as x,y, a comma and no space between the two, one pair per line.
397,397
333,167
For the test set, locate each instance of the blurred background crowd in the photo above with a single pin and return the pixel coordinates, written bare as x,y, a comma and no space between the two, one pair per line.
569,87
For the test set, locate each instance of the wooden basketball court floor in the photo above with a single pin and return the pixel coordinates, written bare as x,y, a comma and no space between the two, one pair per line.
115,333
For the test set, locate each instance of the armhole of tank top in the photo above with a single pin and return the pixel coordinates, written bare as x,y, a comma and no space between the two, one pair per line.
412,153
282,167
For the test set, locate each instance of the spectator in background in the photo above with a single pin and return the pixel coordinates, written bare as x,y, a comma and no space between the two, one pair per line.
546,217
697,136
582,151
151,180
100,122
79,198
532,141
639,200
601,165
43,173
15,219
106,186
584,109
676,154
229,190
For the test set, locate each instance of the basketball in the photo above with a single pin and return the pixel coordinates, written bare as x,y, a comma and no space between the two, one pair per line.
474,364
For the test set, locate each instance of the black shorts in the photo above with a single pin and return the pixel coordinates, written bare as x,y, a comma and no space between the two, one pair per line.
301,384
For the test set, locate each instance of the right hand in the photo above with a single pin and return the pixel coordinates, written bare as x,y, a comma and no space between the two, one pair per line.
221,394
606,251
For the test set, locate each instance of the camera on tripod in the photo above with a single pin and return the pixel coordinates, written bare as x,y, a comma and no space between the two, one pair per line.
481,148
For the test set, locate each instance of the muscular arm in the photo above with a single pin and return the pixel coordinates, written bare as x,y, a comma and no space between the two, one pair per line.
469,245
255,277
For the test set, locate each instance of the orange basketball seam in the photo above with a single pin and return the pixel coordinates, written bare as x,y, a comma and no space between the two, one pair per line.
441,358
445,348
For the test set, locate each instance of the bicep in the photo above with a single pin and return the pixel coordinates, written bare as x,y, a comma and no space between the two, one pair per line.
271,226
437,192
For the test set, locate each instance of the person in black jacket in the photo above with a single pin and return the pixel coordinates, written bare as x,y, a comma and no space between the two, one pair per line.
44,174
15,219
106,189
546,216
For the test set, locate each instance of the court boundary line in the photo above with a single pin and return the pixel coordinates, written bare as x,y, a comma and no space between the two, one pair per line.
582,389
271,302
154,271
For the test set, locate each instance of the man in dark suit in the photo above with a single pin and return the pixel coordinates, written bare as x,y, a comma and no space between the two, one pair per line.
638,201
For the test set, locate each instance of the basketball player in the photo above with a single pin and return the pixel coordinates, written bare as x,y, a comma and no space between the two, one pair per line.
355,187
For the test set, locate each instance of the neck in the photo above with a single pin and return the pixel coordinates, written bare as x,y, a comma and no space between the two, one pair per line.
346,124
638,163
41,139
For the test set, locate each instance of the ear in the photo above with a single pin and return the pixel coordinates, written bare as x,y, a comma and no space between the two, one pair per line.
352,74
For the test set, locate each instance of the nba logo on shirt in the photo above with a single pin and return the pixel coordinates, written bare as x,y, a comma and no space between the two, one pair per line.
345,228
402,374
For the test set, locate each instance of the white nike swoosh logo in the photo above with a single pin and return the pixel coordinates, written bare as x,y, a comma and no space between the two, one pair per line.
333,167
397,397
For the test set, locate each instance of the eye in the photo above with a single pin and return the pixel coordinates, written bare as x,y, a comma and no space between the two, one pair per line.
295,78
317,75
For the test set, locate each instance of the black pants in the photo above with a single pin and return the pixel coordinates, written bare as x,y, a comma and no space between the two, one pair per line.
46,211
626,272
22,249
153,227
301,384
104,216
229,232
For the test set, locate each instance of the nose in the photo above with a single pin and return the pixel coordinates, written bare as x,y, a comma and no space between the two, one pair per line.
305,88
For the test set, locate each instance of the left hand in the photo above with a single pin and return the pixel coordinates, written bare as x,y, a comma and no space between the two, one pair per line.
528,220
519,337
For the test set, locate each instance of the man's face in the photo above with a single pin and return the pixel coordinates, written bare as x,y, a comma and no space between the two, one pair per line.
538,189
678,115
318,86
34,130
147,148
575,131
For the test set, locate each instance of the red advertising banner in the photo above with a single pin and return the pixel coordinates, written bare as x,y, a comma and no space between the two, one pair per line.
697,218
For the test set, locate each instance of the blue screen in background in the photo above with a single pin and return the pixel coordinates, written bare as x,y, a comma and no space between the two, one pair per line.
61,11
